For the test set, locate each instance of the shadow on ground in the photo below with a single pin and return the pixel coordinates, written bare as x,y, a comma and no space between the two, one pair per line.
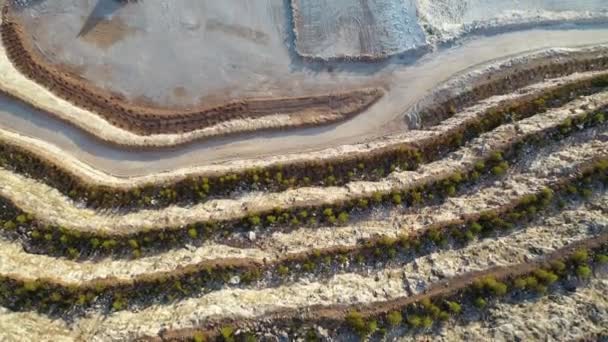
102,11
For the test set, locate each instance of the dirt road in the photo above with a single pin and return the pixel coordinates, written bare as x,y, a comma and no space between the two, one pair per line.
407,85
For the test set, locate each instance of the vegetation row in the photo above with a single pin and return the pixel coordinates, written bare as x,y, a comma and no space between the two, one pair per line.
55,298
333,172
72,243
568,268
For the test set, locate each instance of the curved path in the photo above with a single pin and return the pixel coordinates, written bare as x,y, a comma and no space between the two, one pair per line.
408,85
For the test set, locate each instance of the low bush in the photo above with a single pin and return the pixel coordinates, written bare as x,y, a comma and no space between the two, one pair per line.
394,318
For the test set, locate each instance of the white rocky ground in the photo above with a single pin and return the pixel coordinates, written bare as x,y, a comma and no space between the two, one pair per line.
558,317
450,19
328,29
521,246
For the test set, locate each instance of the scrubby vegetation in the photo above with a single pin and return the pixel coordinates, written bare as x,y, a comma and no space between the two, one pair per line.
74,244
475,292
47,295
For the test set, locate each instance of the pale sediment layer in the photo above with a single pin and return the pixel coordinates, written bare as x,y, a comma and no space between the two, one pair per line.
51,207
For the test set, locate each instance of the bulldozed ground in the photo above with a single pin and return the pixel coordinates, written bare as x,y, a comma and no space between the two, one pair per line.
460,195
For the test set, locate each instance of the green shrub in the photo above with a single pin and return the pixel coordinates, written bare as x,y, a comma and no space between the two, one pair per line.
599,117
73,253
55,297
601,259
251,276
283,271
519,283
547,277
109,244
414,320
531,282
427,322
546,195
254,220
586,193
495,157
133,243
558,266
475,228
480,302
443,316
95,242
332,219
199,336
397,199
500,169
9,225
356,322
583,271
227,333
193,233
454,307
119,304
394,318
580,257
21,219
271,219
377,197
416,197
343,217
309,266
31,285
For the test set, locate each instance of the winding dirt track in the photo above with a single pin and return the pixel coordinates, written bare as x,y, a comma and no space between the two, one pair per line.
409,85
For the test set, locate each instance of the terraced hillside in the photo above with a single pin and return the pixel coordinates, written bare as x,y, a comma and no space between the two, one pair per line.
479,212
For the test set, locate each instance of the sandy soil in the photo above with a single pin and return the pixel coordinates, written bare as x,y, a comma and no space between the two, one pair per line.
16,262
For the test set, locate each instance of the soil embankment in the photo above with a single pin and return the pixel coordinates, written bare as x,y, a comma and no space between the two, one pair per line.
303,111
